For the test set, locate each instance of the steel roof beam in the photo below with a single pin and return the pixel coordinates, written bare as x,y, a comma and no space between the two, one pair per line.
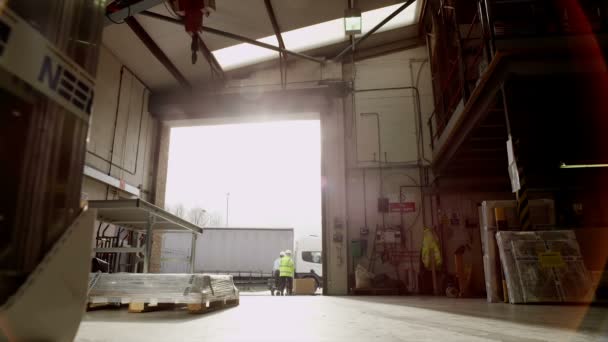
235,37
156,51
275,23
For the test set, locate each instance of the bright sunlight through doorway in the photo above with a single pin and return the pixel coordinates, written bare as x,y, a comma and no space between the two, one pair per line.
248,175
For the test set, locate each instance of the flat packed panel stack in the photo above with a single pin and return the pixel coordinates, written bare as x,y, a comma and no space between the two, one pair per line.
542,216
543,266
199,290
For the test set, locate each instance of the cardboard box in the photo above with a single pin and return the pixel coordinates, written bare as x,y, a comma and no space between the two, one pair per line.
305,286
542,213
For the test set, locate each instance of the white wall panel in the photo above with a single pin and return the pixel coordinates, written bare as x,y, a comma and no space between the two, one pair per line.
127,108
148,152
122,132
383,72
400,129
397,126
135,118
104,108
398,114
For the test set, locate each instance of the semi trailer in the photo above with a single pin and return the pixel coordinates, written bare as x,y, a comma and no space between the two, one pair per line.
247,254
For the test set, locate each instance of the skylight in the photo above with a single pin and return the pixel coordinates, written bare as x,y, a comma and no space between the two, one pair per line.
311,37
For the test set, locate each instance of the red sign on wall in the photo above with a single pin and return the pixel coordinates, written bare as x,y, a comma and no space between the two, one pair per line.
405,207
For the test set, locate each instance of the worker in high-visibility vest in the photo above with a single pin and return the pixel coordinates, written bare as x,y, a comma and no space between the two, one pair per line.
276,273
286,273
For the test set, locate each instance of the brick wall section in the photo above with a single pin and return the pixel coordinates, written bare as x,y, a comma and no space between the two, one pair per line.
161,184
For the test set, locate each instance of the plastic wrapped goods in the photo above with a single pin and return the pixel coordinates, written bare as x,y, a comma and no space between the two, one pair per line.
160,288
542,216
543,266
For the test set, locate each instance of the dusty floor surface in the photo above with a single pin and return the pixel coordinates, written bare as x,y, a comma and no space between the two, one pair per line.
319,318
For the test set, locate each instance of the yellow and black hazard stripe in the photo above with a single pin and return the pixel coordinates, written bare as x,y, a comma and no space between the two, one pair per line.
523,205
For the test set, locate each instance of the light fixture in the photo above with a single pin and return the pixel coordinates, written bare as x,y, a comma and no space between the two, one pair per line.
581,166
352,21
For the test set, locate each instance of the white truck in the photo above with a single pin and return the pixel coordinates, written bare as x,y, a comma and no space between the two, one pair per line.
308,259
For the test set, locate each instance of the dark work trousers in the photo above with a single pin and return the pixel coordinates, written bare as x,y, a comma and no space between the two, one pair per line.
286,284
277,279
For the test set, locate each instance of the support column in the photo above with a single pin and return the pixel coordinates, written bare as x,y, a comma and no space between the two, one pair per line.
162,164
335,223
193,253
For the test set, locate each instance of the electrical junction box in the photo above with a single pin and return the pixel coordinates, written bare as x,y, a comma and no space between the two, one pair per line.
356,249
388,236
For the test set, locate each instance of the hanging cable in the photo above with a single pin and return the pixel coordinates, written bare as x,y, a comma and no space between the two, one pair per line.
421,136
283,69
285,66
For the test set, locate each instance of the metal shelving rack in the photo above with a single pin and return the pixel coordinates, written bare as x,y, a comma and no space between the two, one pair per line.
142,217
470,98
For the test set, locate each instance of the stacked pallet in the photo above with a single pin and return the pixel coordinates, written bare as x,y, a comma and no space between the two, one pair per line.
144,292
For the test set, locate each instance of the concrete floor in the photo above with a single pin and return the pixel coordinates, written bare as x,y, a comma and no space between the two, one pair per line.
318,318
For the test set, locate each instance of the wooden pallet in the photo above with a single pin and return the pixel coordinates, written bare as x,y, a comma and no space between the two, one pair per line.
147,307
102,306
139,307
218,305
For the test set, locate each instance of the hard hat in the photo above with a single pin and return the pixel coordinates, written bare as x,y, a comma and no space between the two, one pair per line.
288,252
282,253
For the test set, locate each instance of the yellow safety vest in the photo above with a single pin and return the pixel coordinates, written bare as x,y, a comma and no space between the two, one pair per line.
286,267
430,248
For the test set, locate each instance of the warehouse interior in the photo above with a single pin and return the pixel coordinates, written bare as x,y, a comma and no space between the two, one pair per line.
464,167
